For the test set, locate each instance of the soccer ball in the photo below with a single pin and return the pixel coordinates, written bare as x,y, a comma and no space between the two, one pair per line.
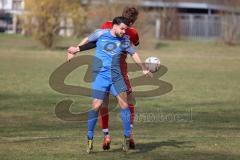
152,64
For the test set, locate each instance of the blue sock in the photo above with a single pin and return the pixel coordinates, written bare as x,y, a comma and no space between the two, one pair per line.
92,120
125,116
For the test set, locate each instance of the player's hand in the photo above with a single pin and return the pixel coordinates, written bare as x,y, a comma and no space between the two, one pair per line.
69,56
147,73
73,50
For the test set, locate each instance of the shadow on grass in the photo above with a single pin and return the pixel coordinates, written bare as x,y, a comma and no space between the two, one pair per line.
217,111
148,147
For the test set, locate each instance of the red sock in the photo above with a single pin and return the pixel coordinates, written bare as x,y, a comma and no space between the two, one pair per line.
131,107
103,117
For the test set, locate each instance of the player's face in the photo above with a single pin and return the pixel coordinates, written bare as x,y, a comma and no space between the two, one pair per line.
121,29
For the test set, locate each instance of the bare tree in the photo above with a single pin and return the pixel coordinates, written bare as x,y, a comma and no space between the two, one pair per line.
170,24
42,21
231,22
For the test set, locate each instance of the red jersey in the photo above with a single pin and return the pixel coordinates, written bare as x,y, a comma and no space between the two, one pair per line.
133,37
131,32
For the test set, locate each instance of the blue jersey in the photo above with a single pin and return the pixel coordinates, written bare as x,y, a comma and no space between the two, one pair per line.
108,51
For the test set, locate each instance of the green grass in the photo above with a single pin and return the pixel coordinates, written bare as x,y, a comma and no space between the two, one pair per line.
199,119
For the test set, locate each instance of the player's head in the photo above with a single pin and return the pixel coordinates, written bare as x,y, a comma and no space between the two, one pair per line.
130,13
120,24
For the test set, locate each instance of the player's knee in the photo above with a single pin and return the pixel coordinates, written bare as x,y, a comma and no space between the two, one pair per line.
123,105
96,105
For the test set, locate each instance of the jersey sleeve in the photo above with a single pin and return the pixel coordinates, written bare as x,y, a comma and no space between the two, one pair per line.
130,50
128,47
133,36
95,35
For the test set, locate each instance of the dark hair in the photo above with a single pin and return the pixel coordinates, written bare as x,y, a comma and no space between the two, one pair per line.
130,13
119,20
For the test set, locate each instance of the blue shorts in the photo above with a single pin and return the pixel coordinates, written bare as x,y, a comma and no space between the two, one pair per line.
103,85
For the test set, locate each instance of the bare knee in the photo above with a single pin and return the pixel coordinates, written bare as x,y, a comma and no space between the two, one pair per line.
96,104
122,100
123,104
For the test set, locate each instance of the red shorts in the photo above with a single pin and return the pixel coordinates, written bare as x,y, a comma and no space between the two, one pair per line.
127,81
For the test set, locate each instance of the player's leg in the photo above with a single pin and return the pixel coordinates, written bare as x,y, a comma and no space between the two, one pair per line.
130,97
92,120
131,102
125,116
99,89
93,116
125,113
119,89
103,121
104,116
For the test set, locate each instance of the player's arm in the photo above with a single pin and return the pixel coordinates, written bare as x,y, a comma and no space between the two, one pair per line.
133,36
91,45
83,46
87,42
130,50
135,39
138,61
92,38
87,46
73,50
84,43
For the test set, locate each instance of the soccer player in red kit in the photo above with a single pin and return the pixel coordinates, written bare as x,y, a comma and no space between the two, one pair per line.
131,13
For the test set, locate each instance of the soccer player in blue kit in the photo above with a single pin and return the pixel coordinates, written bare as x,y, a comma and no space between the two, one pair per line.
107,74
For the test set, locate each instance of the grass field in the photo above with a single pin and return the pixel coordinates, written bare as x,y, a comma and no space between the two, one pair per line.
205,98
